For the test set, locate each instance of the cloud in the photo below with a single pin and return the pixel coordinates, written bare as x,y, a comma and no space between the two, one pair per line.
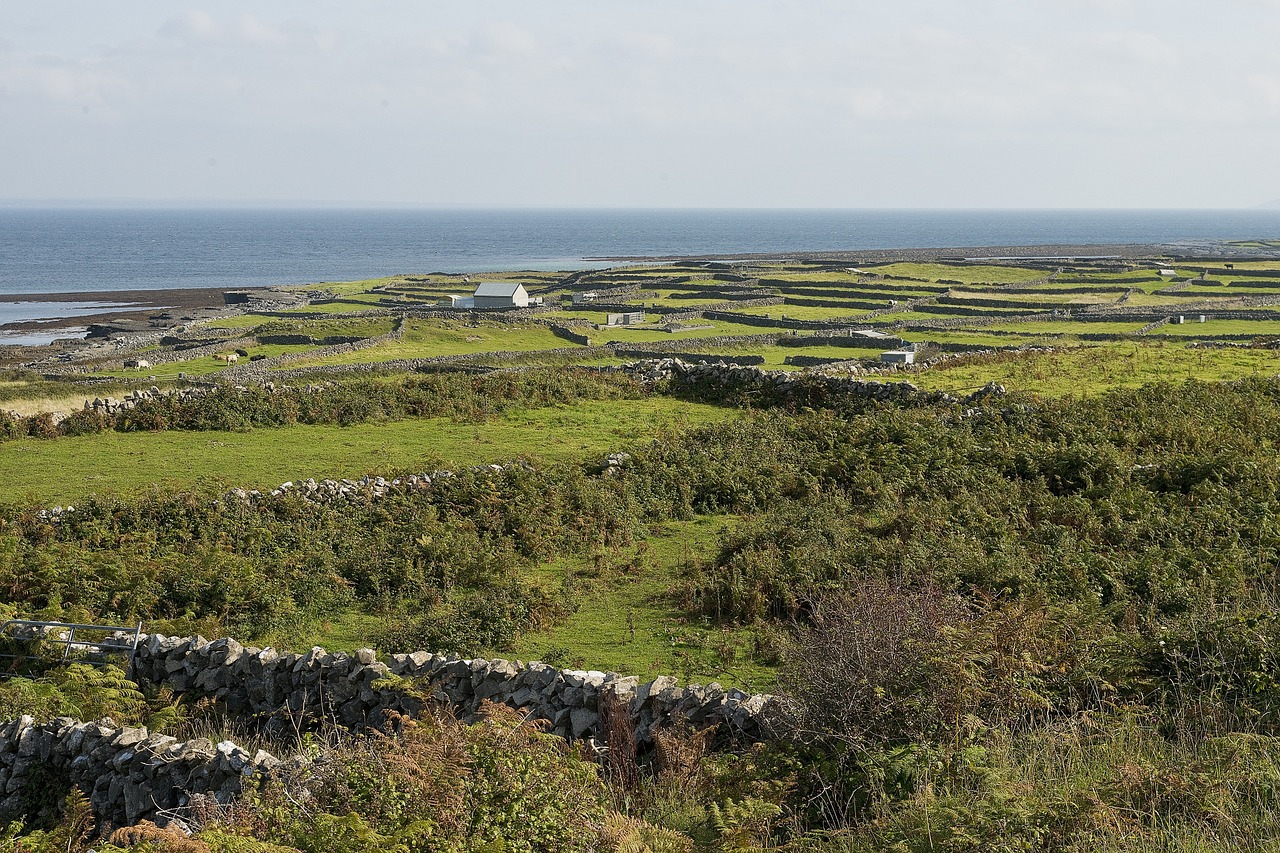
437,100
191,26
253,30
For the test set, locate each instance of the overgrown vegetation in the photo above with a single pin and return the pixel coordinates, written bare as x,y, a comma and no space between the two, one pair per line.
232,408
1027,624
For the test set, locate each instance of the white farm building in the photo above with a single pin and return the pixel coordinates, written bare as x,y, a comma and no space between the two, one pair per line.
501,294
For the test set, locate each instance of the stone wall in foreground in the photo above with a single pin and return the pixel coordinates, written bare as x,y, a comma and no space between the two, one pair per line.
357,690
129,774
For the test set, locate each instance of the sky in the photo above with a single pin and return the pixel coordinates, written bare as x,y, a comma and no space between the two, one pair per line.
644,103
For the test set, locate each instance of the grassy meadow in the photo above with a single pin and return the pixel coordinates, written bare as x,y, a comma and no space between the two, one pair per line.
1040,621
263,458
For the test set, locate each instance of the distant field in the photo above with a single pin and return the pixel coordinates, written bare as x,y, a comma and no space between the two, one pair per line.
1212,327
1067,327
1092,369
65,469
427,338
1016,296
717,328
801,312
975,338
534,343
962,273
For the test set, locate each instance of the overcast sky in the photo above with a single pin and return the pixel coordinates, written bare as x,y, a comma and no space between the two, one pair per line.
646,103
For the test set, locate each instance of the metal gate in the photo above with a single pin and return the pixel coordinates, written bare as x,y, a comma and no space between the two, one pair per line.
77,641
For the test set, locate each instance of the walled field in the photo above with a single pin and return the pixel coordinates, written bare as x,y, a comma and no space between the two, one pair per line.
264,458
955,305
1040,616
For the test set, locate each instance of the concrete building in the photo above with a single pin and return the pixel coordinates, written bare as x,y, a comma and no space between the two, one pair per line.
898,357
500,294
628,318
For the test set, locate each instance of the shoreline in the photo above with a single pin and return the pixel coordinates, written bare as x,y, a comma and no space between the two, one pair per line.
139,310
118,306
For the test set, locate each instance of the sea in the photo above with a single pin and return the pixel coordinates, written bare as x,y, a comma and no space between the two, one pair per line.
100,251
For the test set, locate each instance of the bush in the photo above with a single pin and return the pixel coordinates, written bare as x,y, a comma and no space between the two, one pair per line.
437,785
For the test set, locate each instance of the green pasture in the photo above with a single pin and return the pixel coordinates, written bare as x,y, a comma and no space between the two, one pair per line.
341,305
1211,327
866,290
774,357
967,273
1091,369
918,316
1233,289
1018,296
717,328
1069,327
974,338
240,322
935,312
430,338
365,327
1157,300
349,288
45,471
815,277
206,366
803,312
667,297
633,587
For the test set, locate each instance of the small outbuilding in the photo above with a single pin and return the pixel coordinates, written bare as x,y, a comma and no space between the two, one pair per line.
500,294
901,356
627,318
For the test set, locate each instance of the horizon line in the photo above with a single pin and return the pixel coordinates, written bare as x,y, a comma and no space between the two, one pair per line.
337,205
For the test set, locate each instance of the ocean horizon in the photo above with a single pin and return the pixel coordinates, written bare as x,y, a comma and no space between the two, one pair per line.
101,250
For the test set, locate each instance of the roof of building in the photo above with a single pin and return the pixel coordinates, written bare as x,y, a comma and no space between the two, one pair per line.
497,288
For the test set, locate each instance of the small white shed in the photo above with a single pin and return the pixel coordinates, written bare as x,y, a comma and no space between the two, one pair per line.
501,294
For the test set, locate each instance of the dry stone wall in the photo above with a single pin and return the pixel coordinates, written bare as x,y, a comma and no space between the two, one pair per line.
129,774
808,388
357,690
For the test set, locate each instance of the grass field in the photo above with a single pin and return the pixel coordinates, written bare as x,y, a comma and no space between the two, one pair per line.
65,469
803,312
976,338
429,338
631,587
1017,296
1067,327
1209,328
976,274
1093,369
634,591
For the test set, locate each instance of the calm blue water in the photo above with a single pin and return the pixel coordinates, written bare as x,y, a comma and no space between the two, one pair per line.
48,251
